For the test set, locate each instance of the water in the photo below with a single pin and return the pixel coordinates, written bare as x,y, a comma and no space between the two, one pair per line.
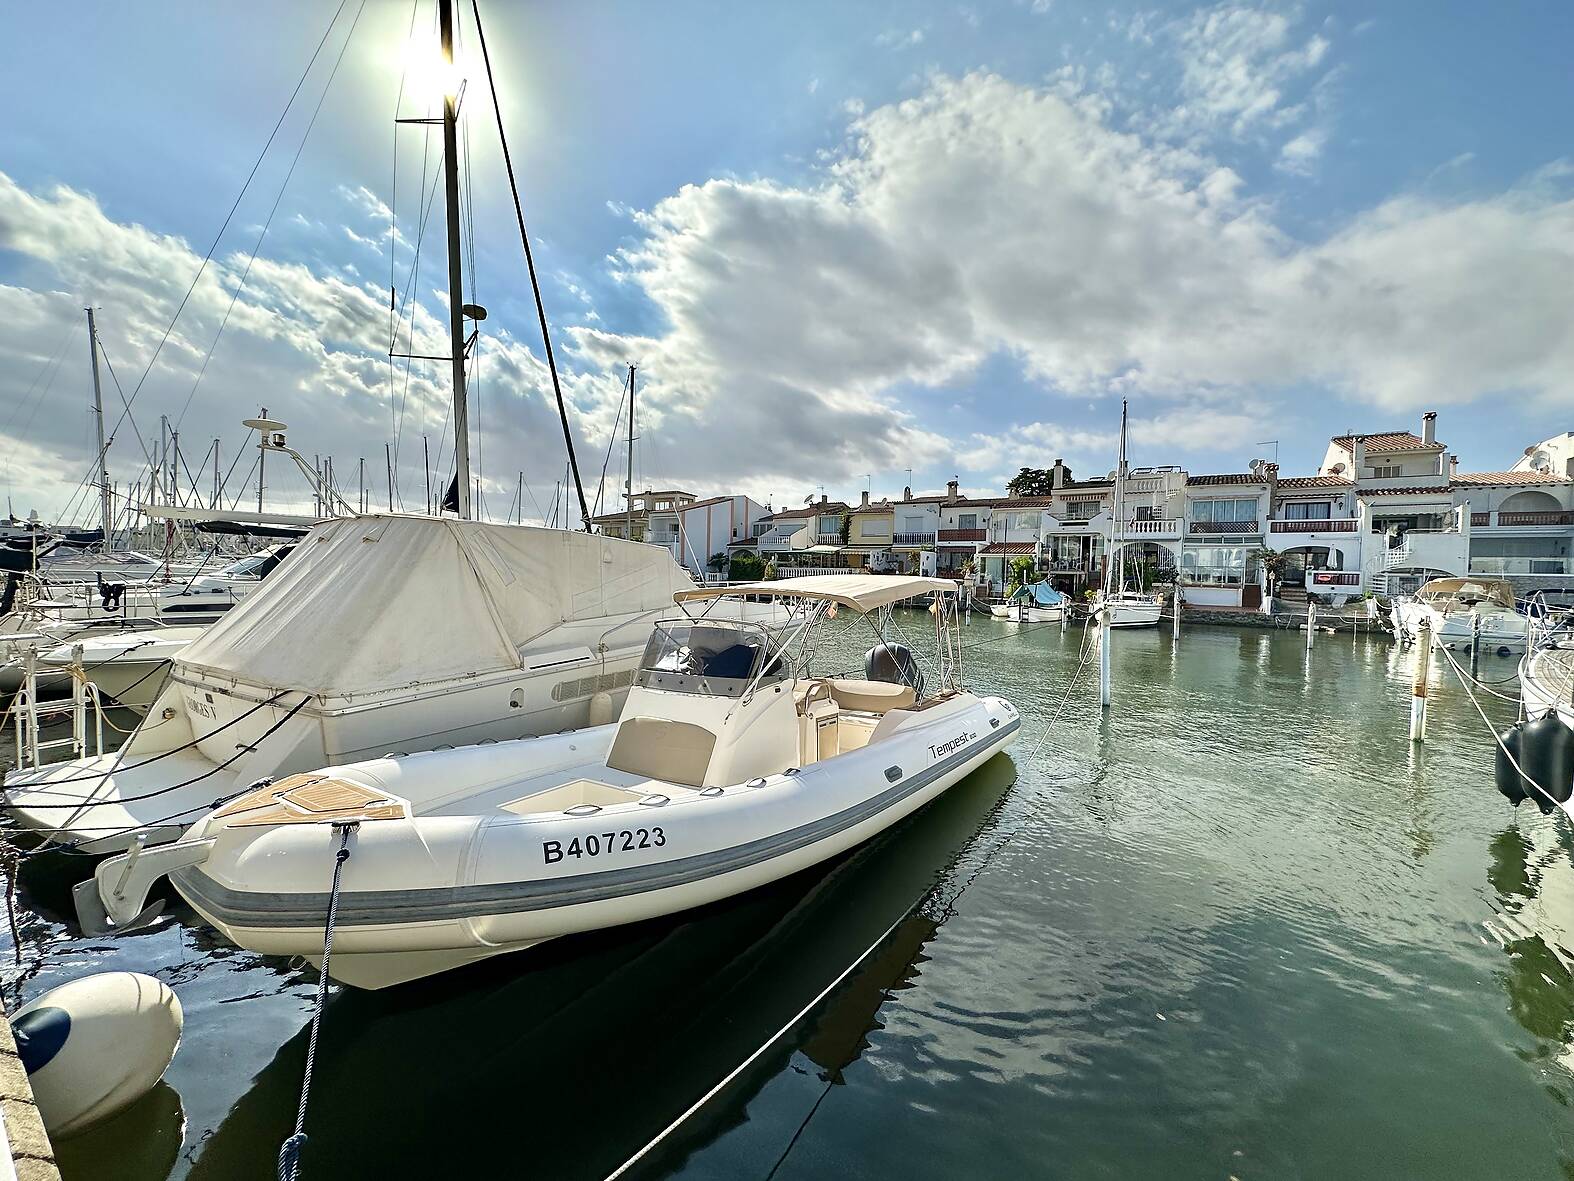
1241,928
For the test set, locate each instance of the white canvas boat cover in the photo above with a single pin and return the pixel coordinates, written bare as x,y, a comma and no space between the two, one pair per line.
861,592
1490,590
381,601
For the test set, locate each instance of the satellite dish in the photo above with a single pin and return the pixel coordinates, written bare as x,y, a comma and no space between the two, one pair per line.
265,426
472,311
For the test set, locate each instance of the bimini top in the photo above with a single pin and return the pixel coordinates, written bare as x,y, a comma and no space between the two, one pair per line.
1474,590
861,592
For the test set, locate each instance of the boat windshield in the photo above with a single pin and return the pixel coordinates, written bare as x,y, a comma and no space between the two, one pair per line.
713,658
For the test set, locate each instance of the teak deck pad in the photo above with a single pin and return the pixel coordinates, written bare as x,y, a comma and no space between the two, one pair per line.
310,799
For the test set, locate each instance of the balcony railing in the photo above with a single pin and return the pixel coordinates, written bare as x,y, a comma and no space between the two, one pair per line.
1479,519
1224,526
1520,566
1319,525
1322,579
1554,517
962,534
1159,525
805,571
914,538
832,538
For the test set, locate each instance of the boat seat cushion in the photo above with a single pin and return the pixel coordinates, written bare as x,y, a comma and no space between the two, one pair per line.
873,697
673,752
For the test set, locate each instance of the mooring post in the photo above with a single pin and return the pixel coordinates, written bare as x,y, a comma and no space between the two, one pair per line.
1418,684
1311,622
1175,606
1475,640
1104,610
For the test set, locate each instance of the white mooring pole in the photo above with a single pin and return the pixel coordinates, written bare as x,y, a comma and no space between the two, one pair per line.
1104,677
1418,684
1175,607
1311,622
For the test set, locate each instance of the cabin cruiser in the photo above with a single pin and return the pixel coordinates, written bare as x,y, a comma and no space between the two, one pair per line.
1035,602
128,666
1129,608
734,763
381,633
1460,611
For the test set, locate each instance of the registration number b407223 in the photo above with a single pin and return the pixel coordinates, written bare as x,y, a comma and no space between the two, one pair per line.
604,844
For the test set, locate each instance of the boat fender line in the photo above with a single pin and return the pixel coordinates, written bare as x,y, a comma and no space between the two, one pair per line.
1535,760
290,1150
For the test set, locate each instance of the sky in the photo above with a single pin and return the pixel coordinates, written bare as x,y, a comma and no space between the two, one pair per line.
847,245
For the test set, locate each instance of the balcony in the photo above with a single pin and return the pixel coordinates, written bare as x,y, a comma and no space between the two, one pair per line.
1325,580
961,536
808,571
911,540
1502,566
834,537
1221,527
1324,525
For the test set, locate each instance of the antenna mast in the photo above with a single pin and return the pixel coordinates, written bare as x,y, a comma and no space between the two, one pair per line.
628,487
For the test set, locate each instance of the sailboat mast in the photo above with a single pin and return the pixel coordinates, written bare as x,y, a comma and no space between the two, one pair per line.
456,314
1120,499
105,512
628,486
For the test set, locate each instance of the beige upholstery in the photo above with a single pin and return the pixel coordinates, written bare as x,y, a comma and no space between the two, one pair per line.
675,752
871,696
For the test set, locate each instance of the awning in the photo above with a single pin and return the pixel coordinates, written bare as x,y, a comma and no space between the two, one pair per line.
821,549
861,592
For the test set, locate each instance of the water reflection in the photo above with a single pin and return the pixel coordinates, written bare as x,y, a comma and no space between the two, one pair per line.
564,1060
1532,872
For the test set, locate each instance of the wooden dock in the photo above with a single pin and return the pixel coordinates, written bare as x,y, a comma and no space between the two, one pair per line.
27,1155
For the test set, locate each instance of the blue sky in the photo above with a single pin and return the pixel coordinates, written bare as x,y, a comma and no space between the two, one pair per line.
838,239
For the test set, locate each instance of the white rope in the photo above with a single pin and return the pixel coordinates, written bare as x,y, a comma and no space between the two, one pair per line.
1492,730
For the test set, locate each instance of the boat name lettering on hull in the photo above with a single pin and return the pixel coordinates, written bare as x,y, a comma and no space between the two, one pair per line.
622,840
200,708
945,748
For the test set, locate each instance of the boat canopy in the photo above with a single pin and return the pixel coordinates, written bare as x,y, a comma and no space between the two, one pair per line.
384,601
1472,590
861,592
1040,594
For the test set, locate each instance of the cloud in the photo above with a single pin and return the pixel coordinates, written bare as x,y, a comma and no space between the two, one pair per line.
1299,155
900,38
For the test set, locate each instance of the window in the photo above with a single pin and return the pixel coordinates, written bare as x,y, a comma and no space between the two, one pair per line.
1145,513
875,527
967,520
1309,510
1081,510
1390,472
1214,565
1241,509
912,525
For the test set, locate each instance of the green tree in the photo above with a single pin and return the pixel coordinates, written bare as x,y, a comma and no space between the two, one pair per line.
1032,481
747,567
1021,570
1274,565
718,560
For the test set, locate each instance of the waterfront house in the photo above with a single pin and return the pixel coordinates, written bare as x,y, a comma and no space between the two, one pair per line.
807,540
645,505
1225,518
871,533
694,531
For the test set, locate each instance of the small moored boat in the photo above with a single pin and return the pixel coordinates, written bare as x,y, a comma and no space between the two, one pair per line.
733,764
1036,602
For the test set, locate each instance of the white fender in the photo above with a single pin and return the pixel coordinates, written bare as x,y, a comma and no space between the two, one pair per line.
96,1045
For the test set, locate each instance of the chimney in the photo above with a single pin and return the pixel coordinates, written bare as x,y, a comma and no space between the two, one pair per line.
1357,456
1453,467
825,498
1270,475
952,489
907,493
1429,427
1058,475
865,502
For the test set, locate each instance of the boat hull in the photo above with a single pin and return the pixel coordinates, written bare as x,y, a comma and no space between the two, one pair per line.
425,893
1024,613
1132,614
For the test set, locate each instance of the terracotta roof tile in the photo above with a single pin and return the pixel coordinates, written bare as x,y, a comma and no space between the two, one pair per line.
1387,441
1483,479
1234,478
1008,547
1314,482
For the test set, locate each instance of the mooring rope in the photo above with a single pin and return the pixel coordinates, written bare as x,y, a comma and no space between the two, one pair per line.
1464,683
290,1150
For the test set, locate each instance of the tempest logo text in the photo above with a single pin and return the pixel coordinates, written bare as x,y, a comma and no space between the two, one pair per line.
946,748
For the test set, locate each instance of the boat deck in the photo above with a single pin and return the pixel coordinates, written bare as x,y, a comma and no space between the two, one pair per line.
1551,673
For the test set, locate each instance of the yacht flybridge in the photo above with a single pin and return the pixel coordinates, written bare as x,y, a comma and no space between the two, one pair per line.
380,633
733,763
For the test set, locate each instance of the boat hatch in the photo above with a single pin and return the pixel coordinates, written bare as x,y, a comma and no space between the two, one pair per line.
574,794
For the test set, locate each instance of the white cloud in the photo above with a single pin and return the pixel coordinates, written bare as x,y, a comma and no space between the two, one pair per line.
1236,62
900,38
1299,155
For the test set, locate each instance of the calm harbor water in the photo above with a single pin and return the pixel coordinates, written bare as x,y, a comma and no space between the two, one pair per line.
1240,928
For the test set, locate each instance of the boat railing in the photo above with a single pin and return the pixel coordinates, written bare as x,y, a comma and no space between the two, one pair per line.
31,713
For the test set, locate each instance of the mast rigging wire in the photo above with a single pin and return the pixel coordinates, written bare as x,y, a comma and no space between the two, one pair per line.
530,265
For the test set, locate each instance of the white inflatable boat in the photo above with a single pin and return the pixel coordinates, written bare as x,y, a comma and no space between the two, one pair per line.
732,765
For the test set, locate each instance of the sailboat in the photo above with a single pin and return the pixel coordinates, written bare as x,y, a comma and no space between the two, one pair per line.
382,633
1117,605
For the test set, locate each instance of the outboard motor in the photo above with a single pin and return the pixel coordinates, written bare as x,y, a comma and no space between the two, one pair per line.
1544,749
894,664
